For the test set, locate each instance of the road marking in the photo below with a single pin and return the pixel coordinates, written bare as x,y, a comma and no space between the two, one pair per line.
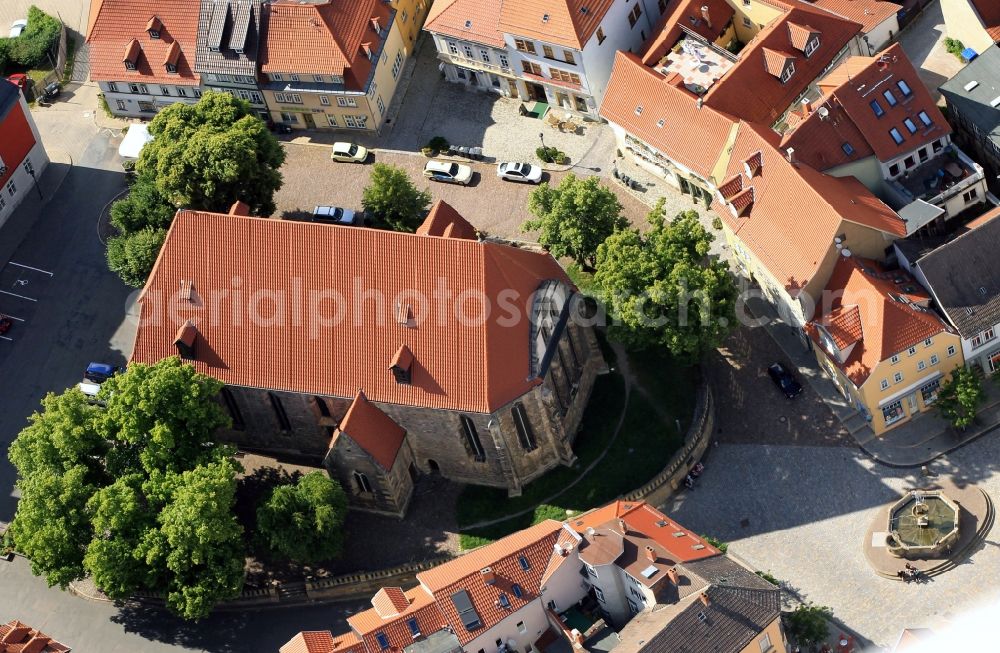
28,267
18,296
19,319
7,339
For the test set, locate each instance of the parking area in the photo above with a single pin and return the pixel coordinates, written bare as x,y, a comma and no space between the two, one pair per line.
20,287
494,206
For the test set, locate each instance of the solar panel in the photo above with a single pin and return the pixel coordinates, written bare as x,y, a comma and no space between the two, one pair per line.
468,614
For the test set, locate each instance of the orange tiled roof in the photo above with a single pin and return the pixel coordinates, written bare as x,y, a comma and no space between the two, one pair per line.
989,13
471,20
775,61
390,601
367,625
473,365
889,325
688,14
322,641
691,136
844,325
373,430
445,221
785,197
983,219
114,24
861,80
323,39
16,637
570,23
870,13
819,141
755,67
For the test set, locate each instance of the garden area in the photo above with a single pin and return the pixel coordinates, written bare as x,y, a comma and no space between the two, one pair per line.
33,52
647,439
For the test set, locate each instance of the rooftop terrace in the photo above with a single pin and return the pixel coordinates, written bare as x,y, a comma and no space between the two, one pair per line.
697,62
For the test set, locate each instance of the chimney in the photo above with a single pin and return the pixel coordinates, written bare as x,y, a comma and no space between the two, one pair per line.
699,103
790,154
650,554
704,14
488,576
622,527
239,208
674,577
704,598
185,340
578,637
807,107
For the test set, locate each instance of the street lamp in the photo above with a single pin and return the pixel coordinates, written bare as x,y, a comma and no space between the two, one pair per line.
30,169
541,137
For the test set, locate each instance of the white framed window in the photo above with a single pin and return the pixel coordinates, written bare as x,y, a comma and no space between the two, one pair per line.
893,412
290,118
346,102
332,120
324,100
885,384
275,77
380,105
296,98
927,343
929,392
504,63
112,87
11,188
181,91
356,122
911,351
897,377
397,64
467,49
599,594
970,195
293,78
279,97
921,366
121,107
951,350
811,46
133,88
765,643
196,92
787,73
164,90
934,359
894,359
372,89
317,78
981,339
404,17
485,56
3,202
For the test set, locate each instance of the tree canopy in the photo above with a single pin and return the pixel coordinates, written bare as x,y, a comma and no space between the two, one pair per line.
303,521
132,256
574,218
392,200
808,624
960,396
207,155
135,492
662,288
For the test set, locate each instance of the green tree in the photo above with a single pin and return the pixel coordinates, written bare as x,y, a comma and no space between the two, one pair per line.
960,396
808,624
136,493
207,155
574,218
144,208
132,256
303,521
392,200
663,289
36,42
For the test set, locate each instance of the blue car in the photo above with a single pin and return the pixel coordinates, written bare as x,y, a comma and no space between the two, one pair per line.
100,372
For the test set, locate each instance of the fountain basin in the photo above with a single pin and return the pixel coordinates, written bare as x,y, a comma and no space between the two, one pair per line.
923,524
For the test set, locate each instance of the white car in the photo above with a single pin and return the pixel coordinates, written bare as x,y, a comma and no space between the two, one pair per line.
448,172
333,215
512,171
349,153
17,27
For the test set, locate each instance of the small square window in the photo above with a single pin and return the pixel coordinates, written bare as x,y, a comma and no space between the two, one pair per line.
911,351
877,108
921,365
934,359
885,384
848,149
927,343
951,350
894,359
897,377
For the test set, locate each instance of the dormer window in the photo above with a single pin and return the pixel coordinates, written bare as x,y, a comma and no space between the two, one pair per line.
367,48
401,365
154,27
376,25
787,73
811,45
173,56
131,58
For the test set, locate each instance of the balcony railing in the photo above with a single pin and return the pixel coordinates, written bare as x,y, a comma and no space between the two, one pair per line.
474,64
917,184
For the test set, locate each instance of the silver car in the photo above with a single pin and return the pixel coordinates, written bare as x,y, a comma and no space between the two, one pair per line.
523,172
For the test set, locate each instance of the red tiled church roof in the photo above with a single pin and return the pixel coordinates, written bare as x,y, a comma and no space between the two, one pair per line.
373,430
465,363
445,221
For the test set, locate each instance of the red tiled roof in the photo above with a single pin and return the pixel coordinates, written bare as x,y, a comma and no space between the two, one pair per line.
691,136
16,637
472,20
390,601
797,211
870,13
570,23
460,364
445,221
322,39
422,608
115,24
689,15
800,35
819,141
844,325
373,430
860,80
989,13
888,324
755,67
775,62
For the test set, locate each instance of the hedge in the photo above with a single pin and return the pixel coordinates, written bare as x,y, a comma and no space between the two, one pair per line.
35,42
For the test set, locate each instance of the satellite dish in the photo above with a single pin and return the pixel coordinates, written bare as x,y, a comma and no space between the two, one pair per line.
845,252
823,112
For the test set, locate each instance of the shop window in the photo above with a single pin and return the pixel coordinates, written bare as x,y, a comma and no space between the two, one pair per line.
893,412
929,392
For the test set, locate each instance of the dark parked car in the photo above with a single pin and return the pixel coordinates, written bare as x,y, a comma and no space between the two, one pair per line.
5,324
784,380
100,372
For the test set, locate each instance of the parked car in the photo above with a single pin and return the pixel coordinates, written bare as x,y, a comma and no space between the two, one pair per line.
334,215
5,324
88,388
525,172
100,372
280,127
17,27
784,380
349,153
448,172
19,80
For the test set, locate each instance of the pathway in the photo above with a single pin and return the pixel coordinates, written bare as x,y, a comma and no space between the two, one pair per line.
923,43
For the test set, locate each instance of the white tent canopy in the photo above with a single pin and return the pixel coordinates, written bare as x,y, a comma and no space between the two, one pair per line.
135,139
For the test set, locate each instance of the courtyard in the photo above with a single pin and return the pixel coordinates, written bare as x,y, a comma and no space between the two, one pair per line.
802,513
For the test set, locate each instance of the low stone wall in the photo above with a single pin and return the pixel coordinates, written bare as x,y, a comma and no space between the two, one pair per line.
364,585
664,484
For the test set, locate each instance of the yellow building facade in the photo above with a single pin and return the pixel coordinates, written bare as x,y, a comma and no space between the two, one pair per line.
769,640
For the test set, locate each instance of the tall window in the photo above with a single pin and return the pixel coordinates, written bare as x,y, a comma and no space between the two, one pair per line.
397,63
600,35
322,406
568,57
525,46
112,87
472,438
904,88
633,16
547,52
889,97
279,412
896,136
362,483
233,408
524,433
787,73
877,108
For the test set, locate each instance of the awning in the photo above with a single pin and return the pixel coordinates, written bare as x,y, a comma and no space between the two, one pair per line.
136,137
910,388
